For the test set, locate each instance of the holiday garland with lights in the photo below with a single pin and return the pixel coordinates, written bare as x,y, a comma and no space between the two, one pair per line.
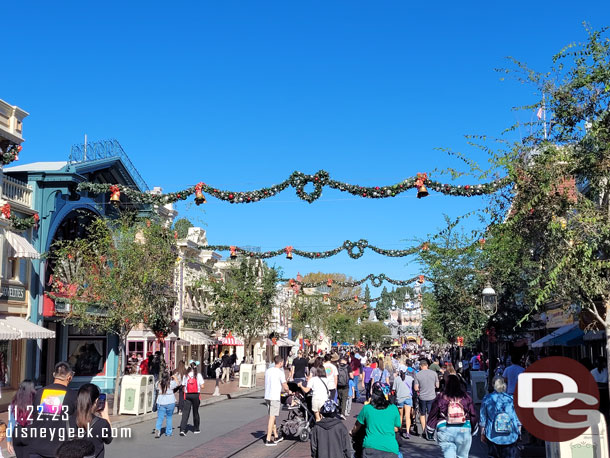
298,181
18,223
376,281
354,250
11,154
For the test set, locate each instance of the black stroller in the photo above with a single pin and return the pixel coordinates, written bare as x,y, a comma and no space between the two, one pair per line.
300,419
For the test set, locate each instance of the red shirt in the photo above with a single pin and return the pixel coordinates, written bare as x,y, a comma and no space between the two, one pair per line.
144,367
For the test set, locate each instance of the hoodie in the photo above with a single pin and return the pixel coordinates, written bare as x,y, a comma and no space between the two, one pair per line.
330,439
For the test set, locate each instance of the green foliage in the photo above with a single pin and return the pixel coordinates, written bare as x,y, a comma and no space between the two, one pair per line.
345,324
244,301
312,311
181,226
372,332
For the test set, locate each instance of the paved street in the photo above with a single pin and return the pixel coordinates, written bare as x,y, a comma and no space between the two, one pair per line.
231,425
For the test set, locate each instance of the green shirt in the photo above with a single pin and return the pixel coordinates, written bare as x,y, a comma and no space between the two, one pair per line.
435,367
379,426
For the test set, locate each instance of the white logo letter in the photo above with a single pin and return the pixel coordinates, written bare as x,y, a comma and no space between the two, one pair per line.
525,390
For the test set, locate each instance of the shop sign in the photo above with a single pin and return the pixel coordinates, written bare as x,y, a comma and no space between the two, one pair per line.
12,293
557,318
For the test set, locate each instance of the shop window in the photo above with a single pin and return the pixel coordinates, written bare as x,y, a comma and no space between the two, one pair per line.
86,351
13,268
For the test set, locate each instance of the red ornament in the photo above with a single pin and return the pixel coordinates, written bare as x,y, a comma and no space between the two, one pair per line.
467,187
231,196
36,218
19,148
6,210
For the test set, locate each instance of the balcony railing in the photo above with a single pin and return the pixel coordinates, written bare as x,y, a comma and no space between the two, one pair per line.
16,191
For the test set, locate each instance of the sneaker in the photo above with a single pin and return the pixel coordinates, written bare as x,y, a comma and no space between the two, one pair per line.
270,444
405,435
157,434
197,431
341,416
182,433
279,439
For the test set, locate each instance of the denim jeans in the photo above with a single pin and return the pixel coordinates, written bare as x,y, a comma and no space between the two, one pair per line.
356,383
454,441
163,411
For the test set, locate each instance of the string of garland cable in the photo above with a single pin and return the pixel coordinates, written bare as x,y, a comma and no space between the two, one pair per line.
376,281
354,250
298,180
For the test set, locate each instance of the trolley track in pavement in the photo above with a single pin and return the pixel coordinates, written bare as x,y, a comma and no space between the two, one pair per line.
255,448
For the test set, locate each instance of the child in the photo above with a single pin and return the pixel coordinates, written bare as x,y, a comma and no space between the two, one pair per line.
329,437
2,435
350,394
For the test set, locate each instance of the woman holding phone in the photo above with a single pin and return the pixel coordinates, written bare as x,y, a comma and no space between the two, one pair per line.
92,413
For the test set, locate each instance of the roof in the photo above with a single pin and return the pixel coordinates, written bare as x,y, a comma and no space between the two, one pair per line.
38,167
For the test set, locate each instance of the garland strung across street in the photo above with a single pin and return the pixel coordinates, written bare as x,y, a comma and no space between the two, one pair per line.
376,281
354,250
20,224
298,181
11,154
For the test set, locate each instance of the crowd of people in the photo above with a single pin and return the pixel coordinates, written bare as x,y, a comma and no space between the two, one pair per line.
399,389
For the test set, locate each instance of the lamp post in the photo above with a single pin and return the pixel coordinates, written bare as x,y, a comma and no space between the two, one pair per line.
489,304
338,339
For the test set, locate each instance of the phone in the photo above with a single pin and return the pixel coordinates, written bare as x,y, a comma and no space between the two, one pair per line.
101,402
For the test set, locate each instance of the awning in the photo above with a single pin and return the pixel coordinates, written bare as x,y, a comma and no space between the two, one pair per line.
197,337
572,338
184,343
138,334
231,341
8,333
594,335
286,342
19,247
545,341
24,329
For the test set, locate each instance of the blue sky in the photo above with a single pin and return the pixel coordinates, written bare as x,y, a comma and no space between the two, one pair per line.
240,94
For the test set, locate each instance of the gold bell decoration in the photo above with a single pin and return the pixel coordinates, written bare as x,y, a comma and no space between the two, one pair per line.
291,282
356,299
326,297
199,197
329,282
233,250
420,279
482,242
422,191
338,307
425,246
115,194
288,250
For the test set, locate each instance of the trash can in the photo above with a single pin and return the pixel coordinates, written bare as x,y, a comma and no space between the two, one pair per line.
247,376
149,382
133,395
478,385
592,443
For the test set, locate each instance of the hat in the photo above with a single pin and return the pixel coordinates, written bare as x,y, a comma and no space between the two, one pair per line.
329,409
334,357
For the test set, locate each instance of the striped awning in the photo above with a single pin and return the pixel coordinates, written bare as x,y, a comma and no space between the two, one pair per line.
14,327
141,334
196,337
231,341
19,247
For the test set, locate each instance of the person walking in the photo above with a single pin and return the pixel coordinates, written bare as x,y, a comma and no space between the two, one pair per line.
344,376
193,386
366,372
319,386
275,382
453,417
53,402
403,387
166,402
500,426
91,418
380,420
20,414
298,370
329,436
426,383
511,373
226,367
600,372
179,375
331,374
355,365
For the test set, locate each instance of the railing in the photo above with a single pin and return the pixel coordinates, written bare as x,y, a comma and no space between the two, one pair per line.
16,191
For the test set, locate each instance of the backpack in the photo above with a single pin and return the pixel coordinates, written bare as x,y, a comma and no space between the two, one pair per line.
455,413
342,377
191,385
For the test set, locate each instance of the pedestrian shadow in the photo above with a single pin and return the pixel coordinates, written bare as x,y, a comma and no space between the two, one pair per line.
258,434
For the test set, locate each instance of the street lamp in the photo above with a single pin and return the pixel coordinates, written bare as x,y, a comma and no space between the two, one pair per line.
489,300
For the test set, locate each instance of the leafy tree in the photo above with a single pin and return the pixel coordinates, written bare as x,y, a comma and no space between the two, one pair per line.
345,324
121,275
312,311
372,332
244,300
181,226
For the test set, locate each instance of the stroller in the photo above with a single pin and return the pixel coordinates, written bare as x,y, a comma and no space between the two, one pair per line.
301,419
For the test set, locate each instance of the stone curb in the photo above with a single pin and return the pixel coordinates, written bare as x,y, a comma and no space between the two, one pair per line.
136,419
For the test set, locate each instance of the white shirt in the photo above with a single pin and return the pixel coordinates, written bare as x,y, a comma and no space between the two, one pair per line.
274,379
331,373
200,381
363,360
320,393
600,377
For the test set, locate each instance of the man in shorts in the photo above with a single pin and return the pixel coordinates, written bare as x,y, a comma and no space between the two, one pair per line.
275,381
426,383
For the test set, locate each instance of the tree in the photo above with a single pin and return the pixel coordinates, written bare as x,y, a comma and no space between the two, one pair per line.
312,311
244,301
372,332
181,226
341,327
121,275
382,309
